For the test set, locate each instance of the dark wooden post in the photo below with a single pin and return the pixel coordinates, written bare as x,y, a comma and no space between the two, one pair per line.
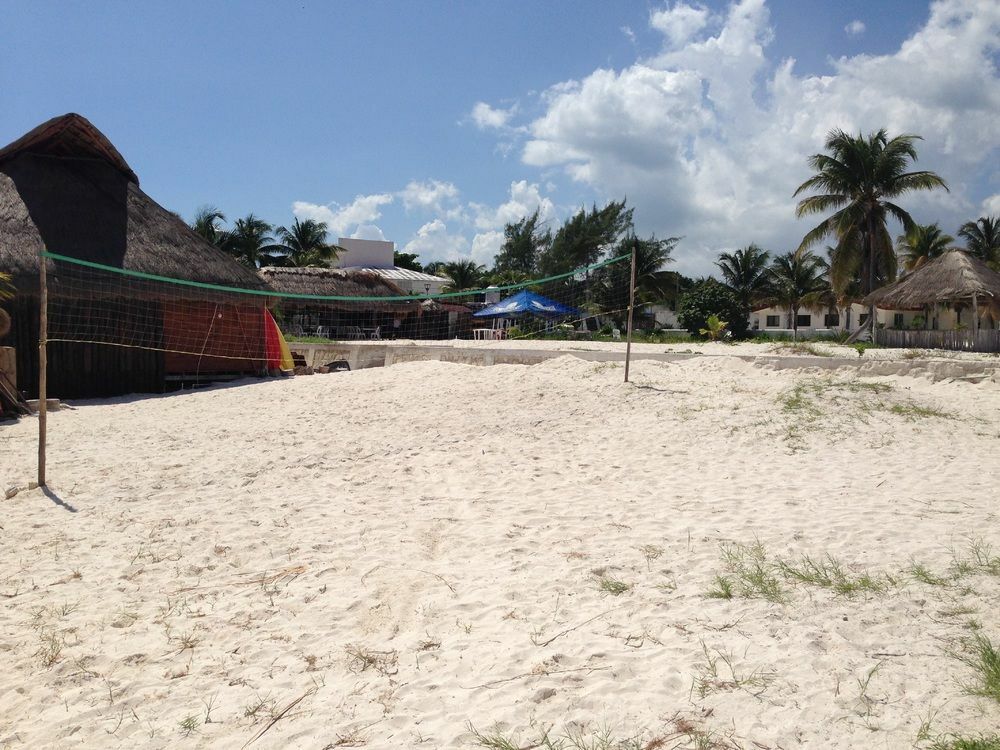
631,306
43,332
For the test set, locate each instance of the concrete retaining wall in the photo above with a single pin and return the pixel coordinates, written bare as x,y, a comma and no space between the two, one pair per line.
361,356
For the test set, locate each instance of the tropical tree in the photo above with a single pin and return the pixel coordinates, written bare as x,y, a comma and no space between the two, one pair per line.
584,238
982,239
796,279
858,180
745,271
922,243
464,274
524,242
250,241
708,297
612,282
406,260
304,244
207,222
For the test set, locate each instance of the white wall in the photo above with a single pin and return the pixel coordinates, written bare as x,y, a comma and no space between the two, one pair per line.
372,253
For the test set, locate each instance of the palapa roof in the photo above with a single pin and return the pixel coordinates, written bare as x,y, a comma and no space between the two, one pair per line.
336,282
64,187
951,277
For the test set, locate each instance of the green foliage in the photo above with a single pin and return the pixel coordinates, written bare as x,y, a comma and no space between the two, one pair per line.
464,274
406,260
984,659
922,243
982,239
611,283
304,244
249,241
711,298
716,328
208,223
857,179
585,237
524,242
745,271
796,279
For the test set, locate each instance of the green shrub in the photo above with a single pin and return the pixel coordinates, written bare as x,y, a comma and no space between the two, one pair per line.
711,298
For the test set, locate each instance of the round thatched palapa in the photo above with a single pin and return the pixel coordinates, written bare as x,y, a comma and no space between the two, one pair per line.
953,277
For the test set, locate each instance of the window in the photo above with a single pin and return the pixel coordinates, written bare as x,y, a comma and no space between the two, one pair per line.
773,321
897,320
803,320
863,319
831,320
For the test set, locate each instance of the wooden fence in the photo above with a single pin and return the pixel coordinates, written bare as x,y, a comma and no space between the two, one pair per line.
966,341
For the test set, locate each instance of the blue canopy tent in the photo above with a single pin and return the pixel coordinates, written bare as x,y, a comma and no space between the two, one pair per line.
527,303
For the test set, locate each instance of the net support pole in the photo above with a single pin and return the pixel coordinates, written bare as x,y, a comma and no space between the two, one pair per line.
43,333
631,307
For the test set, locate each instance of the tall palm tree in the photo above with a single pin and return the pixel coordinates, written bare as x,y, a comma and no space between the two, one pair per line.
207,222
464,274
796,279
922,243
858,179
745,271
982,239
304,244
250,241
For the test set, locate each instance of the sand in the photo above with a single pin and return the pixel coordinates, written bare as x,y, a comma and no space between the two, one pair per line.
402,557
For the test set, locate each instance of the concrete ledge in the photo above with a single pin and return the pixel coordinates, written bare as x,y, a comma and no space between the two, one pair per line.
361,356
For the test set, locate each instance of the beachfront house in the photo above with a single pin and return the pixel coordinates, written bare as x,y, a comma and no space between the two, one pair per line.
65,188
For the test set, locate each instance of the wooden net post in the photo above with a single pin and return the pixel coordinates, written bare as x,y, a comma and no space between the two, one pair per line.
631,306
43,332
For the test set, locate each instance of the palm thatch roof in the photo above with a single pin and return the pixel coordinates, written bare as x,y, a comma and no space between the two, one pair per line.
339,283
952,277
65,188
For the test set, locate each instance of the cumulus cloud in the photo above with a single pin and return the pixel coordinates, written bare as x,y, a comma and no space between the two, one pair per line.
524,198
485,247
343,219
680,22
855,28
430,195
991,206
709,137
485,116
434,242
368,232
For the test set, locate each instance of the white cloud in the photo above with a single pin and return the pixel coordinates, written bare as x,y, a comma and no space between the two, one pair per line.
629,34
680,22
524,199
485,116
343,219
485,246
368,232
855,28
991,206
434,242
709,138
431,195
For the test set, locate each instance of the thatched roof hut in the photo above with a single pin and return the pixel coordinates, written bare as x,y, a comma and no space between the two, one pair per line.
954,277
334,282
65,188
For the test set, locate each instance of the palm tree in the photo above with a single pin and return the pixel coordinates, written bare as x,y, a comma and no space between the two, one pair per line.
745,271
207,224
464,274
250,241
304,245
796,278
920,244
858,178
982,239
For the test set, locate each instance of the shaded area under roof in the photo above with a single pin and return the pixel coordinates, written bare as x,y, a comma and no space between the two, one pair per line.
952,277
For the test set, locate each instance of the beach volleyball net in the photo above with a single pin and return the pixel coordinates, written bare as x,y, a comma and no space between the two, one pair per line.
199,327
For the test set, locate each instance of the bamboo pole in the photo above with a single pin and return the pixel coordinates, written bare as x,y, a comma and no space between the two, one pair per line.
631,307
43,365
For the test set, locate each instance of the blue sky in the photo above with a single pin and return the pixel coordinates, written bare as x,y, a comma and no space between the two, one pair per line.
433,123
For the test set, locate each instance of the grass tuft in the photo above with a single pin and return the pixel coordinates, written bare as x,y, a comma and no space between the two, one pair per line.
983,657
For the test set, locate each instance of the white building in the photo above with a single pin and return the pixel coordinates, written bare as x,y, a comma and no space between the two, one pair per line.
377,256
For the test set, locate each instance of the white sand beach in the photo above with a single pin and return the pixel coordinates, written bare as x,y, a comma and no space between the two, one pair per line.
430,555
